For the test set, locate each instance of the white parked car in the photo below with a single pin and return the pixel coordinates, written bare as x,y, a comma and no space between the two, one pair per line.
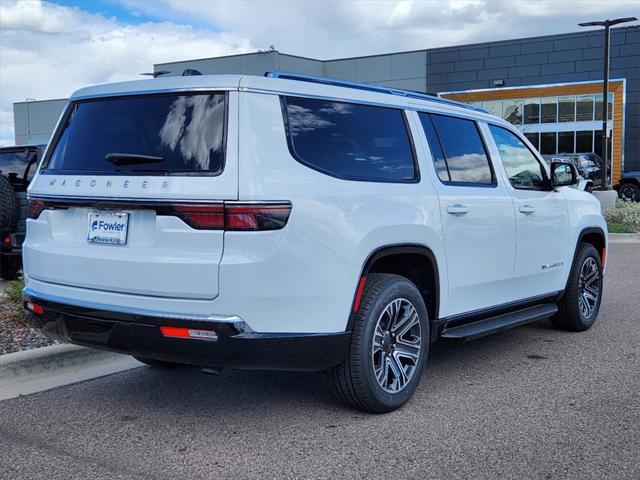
301,223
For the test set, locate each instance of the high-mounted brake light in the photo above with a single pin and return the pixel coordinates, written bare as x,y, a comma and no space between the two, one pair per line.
35,207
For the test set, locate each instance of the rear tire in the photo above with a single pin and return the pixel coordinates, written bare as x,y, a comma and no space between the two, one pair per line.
388,348
158,363
8,206
579,307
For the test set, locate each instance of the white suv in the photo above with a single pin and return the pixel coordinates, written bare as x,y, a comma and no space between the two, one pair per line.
300,223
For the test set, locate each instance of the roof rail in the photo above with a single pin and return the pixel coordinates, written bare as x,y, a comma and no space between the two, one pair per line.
365,86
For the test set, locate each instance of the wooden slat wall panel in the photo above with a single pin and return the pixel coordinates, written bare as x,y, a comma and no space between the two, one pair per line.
617,87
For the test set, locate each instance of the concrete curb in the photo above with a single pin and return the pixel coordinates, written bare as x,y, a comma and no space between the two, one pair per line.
624,238
40,369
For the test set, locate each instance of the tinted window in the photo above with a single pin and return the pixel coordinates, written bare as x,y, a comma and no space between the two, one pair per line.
512,111
356,142
565,142
584,141
523,168
548,143
150,134
465,156
532,110
584,108
435,147
549,109
567,109
16,162
534,138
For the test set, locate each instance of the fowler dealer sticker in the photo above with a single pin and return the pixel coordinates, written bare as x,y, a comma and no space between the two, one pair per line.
108,228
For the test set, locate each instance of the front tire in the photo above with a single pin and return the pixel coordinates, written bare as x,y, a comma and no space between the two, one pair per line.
579,307
388,349
629,192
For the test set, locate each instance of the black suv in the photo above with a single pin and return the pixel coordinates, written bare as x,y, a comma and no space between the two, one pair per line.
17,166
589,165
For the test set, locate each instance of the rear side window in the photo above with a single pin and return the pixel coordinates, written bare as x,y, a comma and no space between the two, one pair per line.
16,162
349,141
152,134
459,154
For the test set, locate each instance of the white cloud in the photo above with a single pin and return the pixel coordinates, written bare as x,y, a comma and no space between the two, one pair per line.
48,51
329,29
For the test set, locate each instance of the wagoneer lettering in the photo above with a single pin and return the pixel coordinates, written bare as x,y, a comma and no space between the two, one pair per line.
301,223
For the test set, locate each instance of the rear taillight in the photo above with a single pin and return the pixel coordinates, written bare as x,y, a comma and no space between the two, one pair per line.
256,217
34,308
235,216
35,207
204,217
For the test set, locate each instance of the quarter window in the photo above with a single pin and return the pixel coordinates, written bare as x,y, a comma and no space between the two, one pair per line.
350,141
456,144
523,168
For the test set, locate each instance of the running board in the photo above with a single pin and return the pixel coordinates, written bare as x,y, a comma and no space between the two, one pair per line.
490,325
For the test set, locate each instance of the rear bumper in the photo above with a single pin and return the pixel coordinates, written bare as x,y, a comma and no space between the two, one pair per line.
236,346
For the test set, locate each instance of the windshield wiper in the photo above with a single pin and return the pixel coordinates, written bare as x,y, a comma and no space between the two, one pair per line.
119,159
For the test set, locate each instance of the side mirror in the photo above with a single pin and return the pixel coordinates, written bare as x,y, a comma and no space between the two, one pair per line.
563,174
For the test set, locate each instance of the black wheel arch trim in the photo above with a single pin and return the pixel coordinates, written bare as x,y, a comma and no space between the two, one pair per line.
586,231
398,249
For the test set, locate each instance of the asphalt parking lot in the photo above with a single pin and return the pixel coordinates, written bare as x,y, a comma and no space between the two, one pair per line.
531,403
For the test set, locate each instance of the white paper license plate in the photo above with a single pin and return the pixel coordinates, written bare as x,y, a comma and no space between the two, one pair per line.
108,227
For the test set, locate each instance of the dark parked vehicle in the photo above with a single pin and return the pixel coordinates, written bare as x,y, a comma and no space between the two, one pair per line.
589,165
629,186
584,183
17,166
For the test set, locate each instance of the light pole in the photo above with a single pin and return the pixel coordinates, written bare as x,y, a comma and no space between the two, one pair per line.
607,24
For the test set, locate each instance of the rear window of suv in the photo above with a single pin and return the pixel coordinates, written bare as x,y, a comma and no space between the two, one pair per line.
350,141
152,134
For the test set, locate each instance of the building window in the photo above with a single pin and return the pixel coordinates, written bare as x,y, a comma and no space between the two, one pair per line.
549,109
494,107
597,143
598,108
531,111
565,142
534,138
548,143
584,141
584,108
512,111
567,109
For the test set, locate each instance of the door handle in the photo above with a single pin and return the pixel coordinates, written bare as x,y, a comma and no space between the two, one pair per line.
457,209
527,209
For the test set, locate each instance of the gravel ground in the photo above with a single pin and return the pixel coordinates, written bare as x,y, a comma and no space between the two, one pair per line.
15,332
532,403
